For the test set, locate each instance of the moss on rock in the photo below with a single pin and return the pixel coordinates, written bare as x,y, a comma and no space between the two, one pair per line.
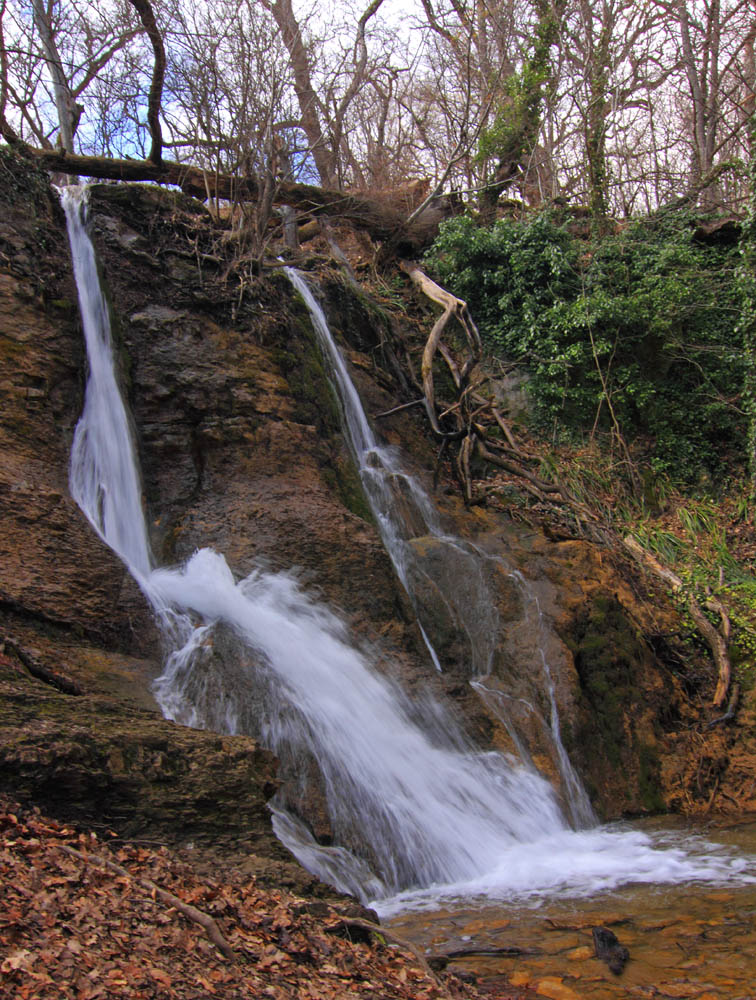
613,737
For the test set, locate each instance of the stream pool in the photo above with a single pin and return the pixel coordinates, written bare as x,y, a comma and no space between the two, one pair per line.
687,940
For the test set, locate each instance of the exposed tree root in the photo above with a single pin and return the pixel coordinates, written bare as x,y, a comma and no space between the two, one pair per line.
718,641
454,308
473,414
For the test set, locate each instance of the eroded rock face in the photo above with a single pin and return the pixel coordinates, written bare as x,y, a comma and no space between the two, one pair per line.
239,434
87,757
124,769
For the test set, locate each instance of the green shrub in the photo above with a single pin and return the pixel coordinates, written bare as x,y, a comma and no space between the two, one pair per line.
636,331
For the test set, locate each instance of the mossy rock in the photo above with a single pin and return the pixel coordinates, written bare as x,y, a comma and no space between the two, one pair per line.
300,362
612,738
147,198
344,479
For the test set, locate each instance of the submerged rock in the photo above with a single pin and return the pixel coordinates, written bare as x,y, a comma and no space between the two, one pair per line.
609,950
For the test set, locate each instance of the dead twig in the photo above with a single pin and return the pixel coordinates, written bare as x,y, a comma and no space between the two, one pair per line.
191,912
52,677
399,409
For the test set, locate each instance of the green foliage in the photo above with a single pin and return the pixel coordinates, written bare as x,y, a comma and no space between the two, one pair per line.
746,279
511,132
699,540
634,332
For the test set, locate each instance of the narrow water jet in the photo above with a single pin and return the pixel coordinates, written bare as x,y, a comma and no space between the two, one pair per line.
104,476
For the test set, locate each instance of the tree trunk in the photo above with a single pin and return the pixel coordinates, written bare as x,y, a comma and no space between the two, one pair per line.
307,98
595,128
158,75
747,267
381,220
64,102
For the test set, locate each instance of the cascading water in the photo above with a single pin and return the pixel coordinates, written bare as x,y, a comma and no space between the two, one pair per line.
390,490
429,813
405,513
104,477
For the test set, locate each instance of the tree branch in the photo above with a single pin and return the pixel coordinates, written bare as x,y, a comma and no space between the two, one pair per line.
158,75
191,912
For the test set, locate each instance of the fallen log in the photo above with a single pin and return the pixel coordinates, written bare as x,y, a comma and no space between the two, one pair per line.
381,220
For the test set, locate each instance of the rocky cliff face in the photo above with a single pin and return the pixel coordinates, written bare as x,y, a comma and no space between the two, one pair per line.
241,449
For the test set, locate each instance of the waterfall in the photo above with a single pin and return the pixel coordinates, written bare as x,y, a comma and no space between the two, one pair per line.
403,511
386,485
412,813
104,476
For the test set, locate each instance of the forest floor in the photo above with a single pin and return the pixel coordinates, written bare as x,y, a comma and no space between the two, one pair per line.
84,918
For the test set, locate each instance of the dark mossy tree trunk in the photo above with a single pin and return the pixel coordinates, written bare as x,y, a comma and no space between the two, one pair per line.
595,128
515,131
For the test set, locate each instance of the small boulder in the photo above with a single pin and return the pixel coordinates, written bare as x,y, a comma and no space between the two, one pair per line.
609,950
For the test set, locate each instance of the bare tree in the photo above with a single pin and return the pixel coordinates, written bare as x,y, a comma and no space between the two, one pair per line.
53,62
712,39
323,112
147,17
64,99
618,105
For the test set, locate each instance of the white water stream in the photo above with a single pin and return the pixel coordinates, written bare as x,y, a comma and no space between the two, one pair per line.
404,512
422,818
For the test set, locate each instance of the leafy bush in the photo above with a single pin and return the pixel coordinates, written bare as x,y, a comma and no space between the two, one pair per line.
636,331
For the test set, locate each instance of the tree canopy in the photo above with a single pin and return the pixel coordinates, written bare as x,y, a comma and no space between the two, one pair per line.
600,102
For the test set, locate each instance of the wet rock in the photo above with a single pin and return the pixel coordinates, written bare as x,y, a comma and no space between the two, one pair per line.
555,989
91,758
622,695
609,950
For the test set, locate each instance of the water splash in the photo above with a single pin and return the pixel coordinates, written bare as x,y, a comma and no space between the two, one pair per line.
429,812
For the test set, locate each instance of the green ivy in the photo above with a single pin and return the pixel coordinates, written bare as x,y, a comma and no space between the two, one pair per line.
636,330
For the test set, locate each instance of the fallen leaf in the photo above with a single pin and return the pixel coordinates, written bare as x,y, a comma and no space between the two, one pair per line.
20,959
